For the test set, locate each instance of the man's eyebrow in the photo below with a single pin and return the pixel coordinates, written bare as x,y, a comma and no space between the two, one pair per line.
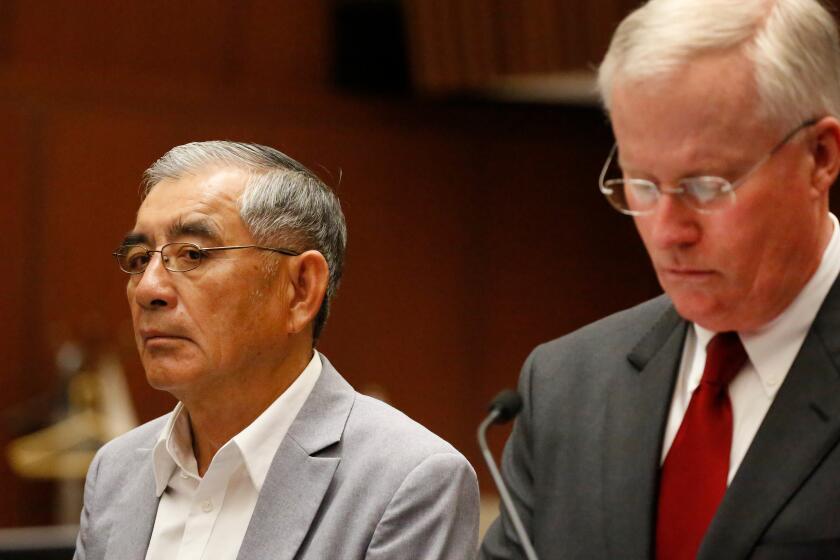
202,229
134,238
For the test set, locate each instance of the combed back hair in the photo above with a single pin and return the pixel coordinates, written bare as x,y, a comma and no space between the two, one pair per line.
283,203
793,45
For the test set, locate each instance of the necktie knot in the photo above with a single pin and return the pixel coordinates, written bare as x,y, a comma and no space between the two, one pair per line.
725,356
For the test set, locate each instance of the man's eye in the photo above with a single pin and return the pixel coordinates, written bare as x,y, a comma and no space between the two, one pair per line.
706,189
193,254
137,261
190,254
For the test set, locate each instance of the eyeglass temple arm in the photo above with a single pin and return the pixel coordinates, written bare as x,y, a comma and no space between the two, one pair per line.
288,252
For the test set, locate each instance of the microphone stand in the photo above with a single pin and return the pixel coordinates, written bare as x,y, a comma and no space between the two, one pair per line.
493,418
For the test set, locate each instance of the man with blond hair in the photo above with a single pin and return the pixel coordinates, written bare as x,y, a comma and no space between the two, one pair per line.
704,423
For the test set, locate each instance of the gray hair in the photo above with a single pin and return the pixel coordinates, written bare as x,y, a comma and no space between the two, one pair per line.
283,201
793,45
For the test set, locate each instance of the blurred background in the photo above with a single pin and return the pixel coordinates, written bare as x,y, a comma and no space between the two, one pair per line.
463,137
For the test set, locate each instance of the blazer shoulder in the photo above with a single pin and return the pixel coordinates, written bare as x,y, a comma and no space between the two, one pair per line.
377,428
585,361
618,332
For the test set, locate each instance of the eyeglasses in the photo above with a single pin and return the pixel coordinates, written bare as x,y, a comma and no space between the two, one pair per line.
706,194
177,257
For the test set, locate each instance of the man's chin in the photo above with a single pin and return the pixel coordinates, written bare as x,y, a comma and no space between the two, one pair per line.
702,310
170,375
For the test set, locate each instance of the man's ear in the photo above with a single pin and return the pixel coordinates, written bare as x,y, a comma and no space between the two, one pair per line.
308,278
826,150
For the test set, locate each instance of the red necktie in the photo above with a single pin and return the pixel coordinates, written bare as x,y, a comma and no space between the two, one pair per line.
693,476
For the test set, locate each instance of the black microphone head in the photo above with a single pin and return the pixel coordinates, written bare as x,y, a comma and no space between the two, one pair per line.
508,403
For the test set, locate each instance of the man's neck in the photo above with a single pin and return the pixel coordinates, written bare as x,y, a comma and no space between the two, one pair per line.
220,412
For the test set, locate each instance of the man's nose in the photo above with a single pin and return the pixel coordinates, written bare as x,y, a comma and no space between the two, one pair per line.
154,289
673,222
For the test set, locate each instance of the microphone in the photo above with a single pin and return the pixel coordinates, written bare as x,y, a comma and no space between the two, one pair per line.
503,408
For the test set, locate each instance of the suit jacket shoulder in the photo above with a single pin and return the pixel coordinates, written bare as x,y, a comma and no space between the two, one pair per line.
391,429
581,366
613,336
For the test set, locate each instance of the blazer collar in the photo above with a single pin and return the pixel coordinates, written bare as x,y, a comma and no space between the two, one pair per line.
301,471
653,341
636,412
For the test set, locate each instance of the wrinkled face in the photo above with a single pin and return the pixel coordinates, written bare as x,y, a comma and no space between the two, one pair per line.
220,322
738,268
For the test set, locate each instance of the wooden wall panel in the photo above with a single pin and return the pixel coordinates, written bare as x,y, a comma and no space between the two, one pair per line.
285,44
23,375
15,298
149,40
470,44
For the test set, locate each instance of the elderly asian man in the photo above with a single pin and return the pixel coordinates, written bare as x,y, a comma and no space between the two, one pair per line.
232,262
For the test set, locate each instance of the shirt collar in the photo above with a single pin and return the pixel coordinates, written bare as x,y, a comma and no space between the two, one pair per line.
173,449
773,347
257,443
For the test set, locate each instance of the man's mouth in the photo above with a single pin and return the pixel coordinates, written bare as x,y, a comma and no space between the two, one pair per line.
686,273
155,334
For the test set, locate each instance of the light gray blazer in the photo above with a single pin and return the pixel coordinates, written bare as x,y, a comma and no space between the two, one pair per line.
353,478
583,459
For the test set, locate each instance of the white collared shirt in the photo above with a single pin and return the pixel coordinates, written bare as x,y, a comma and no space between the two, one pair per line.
206,517
771,350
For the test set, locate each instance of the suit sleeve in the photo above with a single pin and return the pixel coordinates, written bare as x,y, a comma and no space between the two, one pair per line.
500,541
84,523
433,515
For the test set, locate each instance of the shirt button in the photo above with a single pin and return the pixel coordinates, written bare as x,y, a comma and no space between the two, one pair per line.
207,506
184,474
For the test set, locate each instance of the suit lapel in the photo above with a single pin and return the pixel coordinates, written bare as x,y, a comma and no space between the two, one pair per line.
301,472
801,427
132,530
636,415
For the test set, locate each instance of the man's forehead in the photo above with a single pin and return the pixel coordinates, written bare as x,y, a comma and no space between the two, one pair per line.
705,113
209,185
203,205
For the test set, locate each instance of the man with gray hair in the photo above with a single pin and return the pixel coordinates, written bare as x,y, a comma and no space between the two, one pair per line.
704,423
235,255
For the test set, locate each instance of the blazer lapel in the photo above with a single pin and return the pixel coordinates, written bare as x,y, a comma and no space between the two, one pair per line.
129,537
801,427
301,472
636,414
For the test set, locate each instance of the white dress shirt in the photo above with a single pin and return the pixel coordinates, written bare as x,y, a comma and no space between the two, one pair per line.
205,518
771,350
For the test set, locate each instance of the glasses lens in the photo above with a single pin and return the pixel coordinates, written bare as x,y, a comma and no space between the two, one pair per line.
133,258
708,193
631,196
181,257
640,195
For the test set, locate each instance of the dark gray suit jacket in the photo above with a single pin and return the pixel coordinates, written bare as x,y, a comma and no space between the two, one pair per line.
352,479
583,459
